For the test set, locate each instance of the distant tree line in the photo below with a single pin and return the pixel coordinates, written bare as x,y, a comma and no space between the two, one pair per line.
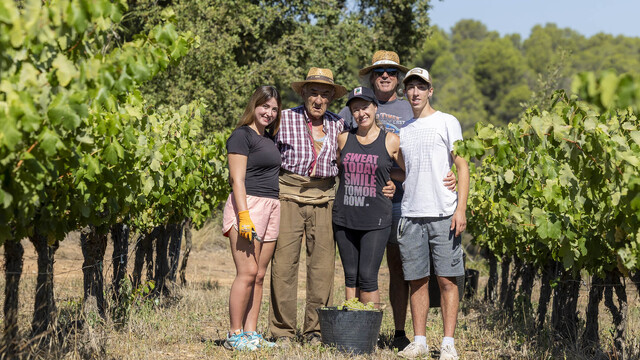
481,76
478,74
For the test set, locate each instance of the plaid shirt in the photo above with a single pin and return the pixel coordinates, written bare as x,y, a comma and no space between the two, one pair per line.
296,146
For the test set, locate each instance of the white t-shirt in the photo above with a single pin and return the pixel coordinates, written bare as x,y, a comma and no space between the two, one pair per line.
426,145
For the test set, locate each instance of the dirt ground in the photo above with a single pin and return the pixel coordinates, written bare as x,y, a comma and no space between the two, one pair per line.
195,325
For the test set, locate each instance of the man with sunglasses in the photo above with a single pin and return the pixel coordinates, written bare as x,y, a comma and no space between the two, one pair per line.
384,76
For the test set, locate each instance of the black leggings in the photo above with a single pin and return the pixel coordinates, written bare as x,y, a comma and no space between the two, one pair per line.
361,252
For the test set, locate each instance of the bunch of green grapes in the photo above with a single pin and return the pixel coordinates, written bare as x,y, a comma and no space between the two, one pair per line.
355,304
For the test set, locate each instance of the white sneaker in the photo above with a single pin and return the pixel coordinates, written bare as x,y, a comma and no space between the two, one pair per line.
448,352
414,350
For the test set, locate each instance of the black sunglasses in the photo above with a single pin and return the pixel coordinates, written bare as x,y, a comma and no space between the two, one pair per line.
390,71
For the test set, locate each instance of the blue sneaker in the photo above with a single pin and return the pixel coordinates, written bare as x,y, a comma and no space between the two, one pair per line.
238,341
257,340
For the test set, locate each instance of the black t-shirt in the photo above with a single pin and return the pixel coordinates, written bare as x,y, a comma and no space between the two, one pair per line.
263,161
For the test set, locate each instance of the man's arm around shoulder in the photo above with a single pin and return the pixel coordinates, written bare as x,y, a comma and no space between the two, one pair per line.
459,218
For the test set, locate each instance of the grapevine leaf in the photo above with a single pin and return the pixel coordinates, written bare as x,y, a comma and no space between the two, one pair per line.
134,111
5,198
566,175
76,16
567,256
590,123
17,32
508,176
540,125
66,71
180,48
167,34
148,184
85,210
65,116
28,76
6,10
30,119
49,143
630,157
85,139
110,154
635,135
119,149
93,167
155,165
9,135
475,148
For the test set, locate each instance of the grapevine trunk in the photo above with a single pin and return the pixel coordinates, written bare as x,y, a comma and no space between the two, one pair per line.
120,237
44,307
635,278
492,284
615,282
144,247
590,338
162,261
187,251
565,302
526,285
94,244
512,286
175,233
504,277
548,273
13,271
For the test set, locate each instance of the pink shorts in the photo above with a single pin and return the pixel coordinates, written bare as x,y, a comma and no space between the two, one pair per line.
264,212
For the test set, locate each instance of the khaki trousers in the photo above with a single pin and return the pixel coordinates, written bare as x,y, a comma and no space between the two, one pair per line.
314,222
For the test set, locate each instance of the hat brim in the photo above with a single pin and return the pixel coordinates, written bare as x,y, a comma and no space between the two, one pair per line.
365,98
340,90
406,79
366,70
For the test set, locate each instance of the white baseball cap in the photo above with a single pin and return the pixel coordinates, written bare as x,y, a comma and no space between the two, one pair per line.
418,72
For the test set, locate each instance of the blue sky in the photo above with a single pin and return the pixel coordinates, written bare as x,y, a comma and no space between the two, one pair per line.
588,17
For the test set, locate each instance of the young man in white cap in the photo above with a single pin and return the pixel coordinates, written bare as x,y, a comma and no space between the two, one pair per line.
433,217
384,76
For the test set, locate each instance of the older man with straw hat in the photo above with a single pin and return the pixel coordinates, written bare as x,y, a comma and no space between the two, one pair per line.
384,76
307,141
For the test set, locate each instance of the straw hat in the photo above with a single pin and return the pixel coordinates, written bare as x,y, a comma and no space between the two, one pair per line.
319,76
383,58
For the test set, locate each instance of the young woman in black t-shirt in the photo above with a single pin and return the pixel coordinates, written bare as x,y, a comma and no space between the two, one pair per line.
252,213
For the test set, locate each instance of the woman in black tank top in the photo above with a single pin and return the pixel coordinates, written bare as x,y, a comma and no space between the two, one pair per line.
361,213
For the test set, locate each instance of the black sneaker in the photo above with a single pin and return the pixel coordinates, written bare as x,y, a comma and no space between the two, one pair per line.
400,342
284,342
313,339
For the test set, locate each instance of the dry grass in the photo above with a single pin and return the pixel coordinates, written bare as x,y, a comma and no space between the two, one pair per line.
193,324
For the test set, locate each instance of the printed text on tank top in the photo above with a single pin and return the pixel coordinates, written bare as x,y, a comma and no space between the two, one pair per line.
364,170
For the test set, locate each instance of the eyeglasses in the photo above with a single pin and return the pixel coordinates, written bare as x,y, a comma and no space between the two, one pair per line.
389,71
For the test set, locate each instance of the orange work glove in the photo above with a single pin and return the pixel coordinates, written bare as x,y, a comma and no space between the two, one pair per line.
245,225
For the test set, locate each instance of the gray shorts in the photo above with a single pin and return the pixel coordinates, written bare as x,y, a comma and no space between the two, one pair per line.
423,239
